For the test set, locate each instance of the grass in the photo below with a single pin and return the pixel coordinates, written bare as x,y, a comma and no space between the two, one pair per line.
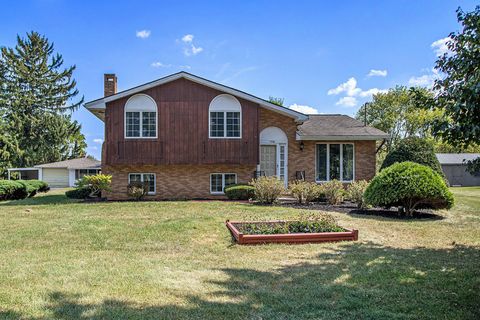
63,259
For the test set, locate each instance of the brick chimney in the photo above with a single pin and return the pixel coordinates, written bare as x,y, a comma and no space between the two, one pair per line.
109,84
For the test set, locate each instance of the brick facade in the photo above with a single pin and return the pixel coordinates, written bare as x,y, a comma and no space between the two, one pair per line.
175,181
299,160
193,181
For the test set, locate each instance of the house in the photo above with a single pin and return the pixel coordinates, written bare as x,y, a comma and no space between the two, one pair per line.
59,174
454,166
190,137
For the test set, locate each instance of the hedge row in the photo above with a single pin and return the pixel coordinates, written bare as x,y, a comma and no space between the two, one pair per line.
21,189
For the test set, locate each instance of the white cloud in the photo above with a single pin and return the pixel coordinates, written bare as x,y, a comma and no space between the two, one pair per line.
426,80
371,92
347,102
158,64
349,87
185,67
303,109
189,48
143,34
99,141
440,46
351,90
187,38
377,73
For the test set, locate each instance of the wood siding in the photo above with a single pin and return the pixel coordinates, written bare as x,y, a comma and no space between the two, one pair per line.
182,119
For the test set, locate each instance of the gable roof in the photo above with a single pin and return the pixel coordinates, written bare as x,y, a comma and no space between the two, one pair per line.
79,163
97,107
337,127
456,158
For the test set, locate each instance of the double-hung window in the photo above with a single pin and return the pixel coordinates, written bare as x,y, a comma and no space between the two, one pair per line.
147,178
219,181
140,117
225,117
334,161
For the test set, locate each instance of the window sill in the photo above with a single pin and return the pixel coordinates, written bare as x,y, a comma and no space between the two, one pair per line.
217,193
342,181
225,138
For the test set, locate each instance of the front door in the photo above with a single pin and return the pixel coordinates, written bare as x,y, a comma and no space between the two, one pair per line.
268,159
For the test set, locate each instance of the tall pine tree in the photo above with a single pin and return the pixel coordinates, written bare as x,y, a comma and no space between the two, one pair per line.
37,97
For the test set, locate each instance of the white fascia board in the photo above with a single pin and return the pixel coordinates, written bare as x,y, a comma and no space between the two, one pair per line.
339,138
100,104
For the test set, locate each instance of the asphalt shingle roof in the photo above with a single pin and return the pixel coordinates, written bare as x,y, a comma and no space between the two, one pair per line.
338,125
79,163
456,158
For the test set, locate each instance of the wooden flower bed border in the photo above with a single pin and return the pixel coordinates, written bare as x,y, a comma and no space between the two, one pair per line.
348,235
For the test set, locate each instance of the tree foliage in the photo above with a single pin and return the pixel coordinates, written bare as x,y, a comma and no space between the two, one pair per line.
277,101
416,150
37,97
458,92
398,113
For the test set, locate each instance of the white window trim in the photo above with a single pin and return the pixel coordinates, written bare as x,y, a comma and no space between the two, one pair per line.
141,119
224,125
223,182
341,161
141,175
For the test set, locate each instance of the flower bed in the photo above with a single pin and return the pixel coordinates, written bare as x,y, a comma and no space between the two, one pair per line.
258,232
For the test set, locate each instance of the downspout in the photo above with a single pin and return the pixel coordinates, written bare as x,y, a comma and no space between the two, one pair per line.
380,146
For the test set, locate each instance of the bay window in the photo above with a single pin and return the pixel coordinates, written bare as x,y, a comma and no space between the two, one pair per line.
334,161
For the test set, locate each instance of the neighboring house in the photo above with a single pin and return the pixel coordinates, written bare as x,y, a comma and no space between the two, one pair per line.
60,174
455,168
190,138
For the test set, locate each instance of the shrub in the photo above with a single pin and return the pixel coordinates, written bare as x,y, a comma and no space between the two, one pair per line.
31,188
355,192
12,190
416,150
334,191
137,190
267,189
40,185
240,192
410,186
78,193
97,183
305,192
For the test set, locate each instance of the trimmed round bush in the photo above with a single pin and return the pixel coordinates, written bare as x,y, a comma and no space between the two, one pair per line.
410,186
31,188
416,150
79,193
240,192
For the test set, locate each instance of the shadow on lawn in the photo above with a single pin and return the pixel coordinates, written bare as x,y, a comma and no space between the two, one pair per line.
47,199
352,281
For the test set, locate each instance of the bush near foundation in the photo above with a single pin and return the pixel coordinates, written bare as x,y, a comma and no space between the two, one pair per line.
240,192
267,189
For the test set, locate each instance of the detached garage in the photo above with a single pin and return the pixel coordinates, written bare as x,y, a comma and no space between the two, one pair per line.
454,165
60,174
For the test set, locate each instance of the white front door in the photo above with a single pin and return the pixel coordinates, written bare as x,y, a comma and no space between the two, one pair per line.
268,160
273,160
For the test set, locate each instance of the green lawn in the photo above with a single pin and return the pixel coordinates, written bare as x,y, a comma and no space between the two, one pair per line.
153,260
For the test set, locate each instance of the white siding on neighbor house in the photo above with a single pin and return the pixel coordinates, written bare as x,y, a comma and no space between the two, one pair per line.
56,178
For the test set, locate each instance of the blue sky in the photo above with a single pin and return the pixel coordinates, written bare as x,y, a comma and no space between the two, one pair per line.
317,55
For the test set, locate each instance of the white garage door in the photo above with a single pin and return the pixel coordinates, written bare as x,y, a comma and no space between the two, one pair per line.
56,178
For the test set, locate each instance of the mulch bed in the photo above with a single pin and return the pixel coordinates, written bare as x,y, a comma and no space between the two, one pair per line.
351,208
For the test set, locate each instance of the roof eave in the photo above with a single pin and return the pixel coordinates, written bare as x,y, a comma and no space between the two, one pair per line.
339,137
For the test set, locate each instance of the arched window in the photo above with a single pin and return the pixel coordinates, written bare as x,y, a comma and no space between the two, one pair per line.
140,117
225,117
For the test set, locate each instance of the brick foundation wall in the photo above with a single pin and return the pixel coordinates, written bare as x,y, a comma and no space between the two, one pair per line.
175,181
